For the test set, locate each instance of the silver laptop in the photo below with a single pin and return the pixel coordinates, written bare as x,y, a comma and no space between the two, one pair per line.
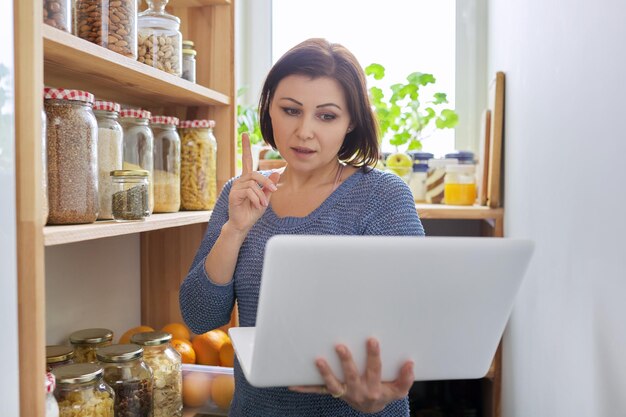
442,302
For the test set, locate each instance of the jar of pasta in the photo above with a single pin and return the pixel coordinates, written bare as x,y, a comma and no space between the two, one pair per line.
166,365
166,164
110,152
58,355
81,391
85,343
198,177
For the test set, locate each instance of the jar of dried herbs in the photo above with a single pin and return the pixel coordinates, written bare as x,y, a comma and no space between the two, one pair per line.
198,177
110,152
130,377
86,341
166,366
130,195
81,391
166,164
58,355
72,154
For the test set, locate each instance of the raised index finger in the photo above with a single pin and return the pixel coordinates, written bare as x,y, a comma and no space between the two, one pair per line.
246,154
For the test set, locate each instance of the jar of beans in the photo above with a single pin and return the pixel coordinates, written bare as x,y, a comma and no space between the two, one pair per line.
110,152
166,164
86,341
57,13
159,38
72,153
81,392
198,175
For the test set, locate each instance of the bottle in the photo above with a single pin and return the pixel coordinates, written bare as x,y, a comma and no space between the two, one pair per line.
166,164
110,152
460,184
159,38
85,343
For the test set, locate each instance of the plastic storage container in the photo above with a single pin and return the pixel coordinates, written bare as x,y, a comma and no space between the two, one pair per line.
58,14
52,407
460,184
85,343
72,154
207,389
130,201
81,391
110,152
108,23
130,377
166,164
165,363
159,38
189,65
58,355
198,177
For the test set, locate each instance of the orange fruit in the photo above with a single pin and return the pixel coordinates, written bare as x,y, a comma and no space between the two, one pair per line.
196,389
207,346
177,330
185,349
130,332
227,354
222,390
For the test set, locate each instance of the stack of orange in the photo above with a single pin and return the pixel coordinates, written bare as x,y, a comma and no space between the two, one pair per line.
214,348
181,341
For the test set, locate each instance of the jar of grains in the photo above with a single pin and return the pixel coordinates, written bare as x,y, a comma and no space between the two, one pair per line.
57,13
72,137
130,195
165,363
166,164
52,407
81,391
110,152
108,23
44,169
130,377
198,177
139,145
159,38
57,355
85,343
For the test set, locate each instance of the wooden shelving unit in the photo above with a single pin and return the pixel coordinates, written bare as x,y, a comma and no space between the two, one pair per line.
442,211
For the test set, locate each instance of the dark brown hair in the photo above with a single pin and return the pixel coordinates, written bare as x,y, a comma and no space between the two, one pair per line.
319,58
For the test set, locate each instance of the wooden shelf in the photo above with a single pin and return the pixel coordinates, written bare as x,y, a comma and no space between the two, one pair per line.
58,235
442,211
198,3
71,62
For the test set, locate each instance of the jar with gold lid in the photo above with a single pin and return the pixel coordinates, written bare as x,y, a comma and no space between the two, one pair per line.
82,392
57,355
86,341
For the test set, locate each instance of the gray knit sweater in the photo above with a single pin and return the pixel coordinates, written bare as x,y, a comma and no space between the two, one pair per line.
369,202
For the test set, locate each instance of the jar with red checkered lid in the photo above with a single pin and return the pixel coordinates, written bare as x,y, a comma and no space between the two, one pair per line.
72,153
52,407
139,145
110,152
166,164
198,176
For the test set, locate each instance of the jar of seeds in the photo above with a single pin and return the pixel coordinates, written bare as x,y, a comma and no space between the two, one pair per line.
110,152
139,145
198,177
57,355
166,366
108,23
166,164
44,169
57,13
81,392
85,343
72,153
130,377
130,195
159,38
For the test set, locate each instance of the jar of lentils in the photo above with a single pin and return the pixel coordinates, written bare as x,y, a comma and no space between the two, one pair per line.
57,13
81,391
159,38
72,154
110,152
198,177
85,343
166,164
58,355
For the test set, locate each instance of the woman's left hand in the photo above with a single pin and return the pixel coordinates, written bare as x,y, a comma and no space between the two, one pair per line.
366,392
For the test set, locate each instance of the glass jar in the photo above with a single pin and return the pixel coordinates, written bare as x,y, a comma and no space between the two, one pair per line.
72,153
139,145
130,377
57,355
52,407
460,184
166,164
159,38
417,182
131,201
166,366
57,13
189,65
198,176
464,157
81,391
435,178
110,152
85,343
108,23
44,169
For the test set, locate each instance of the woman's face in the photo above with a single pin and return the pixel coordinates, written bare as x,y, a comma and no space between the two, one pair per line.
310,119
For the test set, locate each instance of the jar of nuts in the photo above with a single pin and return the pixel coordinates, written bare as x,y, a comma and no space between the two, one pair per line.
166,164
108,23
85,343
81,391
159,38
57,13
198,167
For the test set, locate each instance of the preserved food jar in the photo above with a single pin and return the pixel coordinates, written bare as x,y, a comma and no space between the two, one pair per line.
57,13
85,343
159,38
81,391
435,180
110,152
52,407
198,177
44,169
166,366
130,377
166,164
108,23
57,355
417,182
189,65
130,195
460,184
72,153
139,145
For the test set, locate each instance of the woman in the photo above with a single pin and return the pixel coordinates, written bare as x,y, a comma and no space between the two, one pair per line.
315,111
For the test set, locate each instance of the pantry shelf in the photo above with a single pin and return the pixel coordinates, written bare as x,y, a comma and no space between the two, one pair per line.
443,211
198,3
71,62
58,235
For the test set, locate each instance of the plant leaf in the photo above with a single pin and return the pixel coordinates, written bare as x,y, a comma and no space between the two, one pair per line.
376,70
447,119
415,145
420,78
440,98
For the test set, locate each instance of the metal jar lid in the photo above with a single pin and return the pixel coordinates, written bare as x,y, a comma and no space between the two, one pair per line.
77,373
58,353
129,173
91,336
151,338
119,353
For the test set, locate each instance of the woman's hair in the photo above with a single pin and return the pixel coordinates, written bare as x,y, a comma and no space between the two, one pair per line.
319,58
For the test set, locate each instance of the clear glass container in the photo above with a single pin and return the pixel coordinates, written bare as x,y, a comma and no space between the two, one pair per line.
58,14
189,65
52,407
58,355
109,23
166,164
81,391
44,169
72,156
198,177
130,377
139,145
435,180
86,341
110,152
166,365
159,38
131,201
417,182
460,184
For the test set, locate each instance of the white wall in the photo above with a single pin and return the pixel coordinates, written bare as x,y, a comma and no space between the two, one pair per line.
565,348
